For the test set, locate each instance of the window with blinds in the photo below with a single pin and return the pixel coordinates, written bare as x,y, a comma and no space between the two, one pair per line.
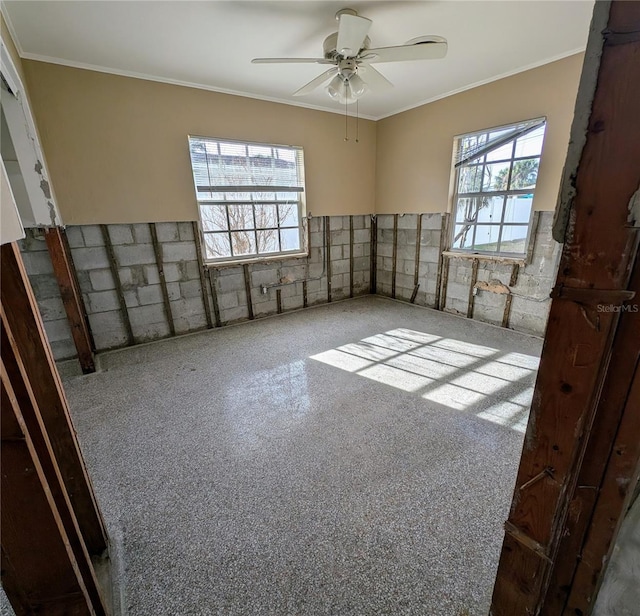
250,197
496,175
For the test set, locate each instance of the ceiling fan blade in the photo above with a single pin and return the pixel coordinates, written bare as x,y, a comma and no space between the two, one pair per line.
317,82
374,79
418,51
291,61
351,34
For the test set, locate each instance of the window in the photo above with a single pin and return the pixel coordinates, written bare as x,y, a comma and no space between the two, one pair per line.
250,197
496,174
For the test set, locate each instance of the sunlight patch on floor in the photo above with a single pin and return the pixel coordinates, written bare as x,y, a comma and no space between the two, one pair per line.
494,385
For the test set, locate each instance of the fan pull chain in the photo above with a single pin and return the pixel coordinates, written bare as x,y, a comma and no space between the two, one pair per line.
346,121
357,121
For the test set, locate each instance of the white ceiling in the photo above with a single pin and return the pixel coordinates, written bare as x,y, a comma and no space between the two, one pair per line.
211,44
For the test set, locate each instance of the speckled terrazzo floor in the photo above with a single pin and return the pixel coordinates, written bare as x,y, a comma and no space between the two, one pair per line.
357,458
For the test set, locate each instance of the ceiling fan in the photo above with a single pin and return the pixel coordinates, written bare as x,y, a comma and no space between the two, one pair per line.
349,51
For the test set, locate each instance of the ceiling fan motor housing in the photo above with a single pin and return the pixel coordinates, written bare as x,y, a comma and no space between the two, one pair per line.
331,42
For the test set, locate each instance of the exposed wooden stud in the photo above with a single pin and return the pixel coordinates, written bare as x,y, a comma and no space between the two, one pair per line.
445,281
203,280
443,234
64,273
416,272
247,290
113,264
515,271
36,551
20,395
305,299
163,282
279,301
394,260
472,288
350,256
577,364
535,223
373,274
614,499
76,281
415,293
214,298
607,476
327,249
22,317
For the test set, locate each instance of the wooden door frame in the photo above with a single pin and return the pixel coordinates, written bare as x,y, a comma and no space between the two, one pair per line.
582,446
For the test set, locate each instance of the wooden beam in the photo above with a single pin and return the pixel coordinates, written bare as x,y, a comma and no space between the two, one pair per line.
373,274
416,269
163,282
444,226
472,288
115,273
24,320
64,272
446,264
38,563
607,475
247,289
535,223
19,395
203,281
327,253
599,251
394,258
214,298
351,256
513,280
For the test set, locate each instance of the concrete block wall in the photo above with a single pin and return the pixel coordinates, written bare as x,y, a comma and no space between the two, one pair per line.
530,303
139,277
140,281
430,239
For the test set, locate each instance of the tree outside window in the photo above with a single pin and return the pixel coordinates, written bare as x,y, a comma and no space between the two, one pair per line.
495,186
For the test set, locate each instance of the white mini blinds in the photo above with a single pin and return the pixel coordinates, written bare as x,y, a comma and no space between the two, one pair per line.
250,198
496,176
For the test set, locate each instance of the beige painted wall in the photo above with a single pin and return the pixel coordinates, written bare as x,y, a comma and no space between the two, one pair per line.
415,148
117,146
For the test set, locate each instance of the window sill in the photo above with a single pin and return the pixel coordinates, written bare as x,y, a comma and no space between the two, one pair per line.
255,260
454,254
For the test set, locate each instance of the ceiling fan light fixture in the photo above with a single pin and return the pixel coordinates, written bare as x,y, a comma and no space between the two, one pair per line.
337,89
357,86
346,91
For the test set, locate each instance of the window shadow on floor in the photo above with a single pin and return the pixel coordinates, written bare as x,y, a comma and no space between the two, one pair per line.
495,385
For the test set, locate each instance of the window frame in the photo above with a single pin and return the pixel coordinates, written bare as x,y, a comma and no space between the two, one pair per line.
252,190
503,194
